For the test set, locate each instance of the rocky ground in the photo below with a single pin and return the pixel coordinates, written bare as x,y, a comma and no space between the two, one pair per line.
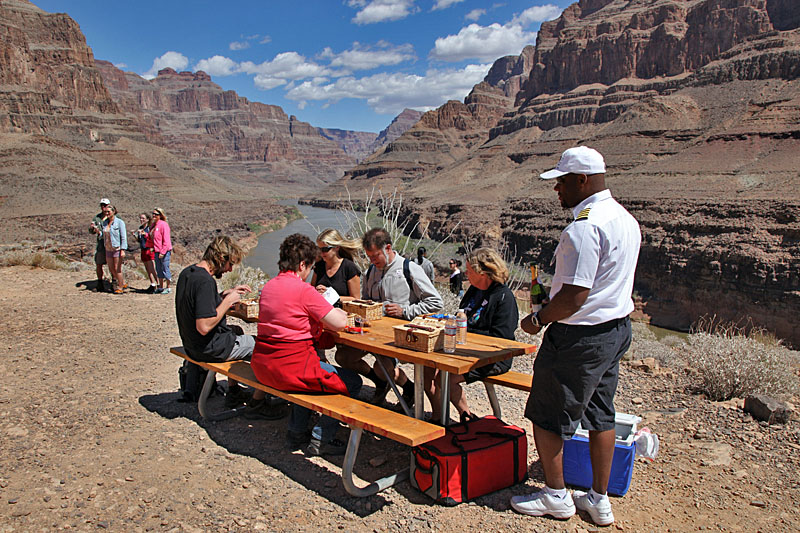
93,437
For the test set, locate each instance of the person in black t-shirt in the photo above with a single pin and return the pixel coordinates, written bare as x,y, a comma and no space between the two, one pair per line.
491,310
200,310
456,277
336,268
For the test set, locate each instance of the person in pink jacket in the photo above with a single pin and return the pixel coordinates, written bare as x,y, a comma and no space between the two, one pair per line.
162,246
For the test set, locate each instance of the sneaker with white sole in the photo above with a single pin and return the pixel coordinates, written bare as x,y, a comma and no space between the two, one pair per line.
544,504
599,510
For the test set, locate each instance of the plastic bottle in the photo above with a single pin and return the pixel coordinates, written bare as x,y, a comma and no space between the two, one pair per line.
461,324
450,330
538,294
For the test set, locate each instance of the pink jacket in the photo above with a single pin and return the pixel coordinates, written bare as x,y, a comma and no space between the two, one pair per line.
162,243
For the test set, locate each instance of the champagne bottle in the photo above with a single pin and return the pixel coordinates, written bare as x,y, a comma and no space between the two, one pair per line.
538,294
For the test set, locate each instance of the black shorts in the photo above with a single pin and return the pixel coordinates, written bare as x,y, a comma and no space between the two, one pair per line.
575,376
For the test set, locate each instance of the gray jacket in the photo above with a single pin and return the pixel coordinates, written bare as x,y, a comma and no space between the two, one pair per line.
389,285
427,267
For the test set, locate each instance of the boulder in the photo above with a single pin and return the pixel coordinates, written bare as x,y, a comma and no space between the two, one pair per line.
767,409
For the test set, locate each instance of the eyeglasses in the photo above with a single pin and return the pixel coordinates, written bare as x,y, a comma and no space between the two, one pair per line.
325,248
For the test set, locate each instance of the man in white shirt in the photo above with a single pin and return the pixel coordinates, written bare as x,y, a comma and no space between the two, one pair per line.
576,370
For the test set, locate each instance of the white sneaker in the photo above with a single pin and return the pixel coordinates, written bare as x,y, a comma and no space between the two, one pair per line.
541,503
600,511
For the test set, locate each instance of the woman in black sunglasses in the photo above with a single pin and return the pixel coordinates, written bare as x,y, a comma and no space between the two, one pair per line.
337,268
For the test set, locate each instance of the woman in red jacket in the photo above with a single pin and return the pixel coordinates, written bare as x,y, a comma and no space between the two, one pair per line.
291,319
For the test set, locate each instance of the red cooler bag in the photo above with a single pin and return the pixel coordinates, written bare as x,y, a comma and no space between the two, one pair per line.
470,460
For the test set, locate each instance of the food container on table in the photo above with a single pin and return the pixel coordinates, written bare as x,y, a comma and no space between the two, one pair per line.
247,308
367,309
421,334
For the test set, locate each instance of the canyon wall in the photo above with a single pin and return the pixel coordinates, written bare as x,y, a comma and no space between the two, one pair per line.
695,105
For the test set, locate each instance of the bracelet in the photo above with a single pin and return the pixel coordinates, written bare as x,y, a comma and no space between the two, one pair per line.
535,320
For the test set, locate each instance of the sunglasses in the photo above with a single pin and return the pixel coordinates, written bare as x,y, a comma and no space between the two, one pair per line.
325,248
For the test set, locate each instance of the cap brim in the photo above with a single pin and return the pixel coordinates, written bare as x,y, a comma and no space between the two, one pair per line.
550,174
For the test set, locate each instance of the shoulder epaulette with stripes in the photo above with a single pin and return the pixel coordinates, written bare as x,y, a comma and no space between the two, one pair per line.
584,214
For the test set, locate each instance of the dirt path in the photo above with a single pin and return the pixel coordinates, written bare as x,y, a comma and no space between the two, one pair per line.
91,436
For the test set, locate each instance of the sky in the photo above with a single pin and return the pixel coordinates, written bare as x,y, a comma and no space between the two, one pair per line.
348,64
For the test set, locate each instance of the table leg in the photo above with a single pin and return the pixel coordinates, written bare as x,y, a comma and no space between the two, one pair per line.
490,392
419,402
349,462
210,382
445,385
397,393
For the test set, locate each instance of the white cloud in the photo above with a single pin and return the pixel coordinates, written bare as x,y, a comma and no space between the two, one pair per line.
485,43
239,45
381,10
444,4
475,14
121,65
283,68
218,66
537,14
361,57
171,59
265,39
391,93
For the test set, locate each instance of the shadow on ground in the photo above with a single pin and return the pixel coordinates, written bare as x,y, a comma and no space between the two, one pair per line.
266,441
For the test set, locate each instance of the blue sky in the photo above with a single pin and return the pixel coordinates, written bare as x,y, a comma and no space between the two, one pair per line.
349,64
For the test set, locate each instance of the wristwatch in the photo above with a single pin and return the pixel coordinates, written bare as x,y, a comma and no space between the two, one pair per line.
535,320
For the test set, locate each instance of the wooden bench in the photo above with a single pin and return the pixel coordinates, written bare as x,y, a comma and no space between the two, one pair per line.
358,415
514,380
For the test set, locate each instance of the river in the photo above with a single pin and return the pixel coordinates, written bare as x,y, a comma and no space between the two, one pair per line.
265,254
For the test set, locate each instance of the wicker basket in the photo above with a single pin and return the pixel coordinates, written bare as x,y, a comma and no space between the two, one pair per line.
367,309
247,308
412,335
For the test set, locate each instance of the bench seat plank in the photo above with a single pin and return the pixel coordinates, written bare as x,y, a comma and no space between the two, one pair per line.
514,380
351,411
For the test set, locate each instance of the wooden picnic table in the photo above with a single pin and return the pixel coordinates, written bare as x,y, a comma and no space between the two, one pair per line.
480,350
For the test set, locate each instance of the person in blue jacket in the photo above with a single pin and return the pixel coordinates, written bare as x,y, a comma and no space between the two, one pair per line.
116,242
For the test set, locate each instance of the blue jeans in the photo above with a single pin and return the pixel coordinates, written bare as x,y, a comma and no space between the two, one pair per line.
325,430
162,266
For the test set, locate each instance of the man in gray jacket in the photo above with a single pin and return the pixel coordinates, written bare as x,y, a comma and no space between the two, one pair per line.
406,292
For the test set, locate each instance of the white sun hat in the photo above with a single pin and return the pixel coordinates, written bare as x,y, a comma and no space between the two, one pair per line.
578,160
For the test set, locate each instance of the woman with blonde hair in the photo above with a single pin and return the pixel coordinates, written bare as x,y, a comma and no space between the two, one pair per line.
336,268
491,310
162,246
116,242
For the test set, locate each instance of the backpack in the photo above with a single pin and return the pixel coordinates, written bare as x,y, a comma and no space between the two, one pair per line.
406,273
191,378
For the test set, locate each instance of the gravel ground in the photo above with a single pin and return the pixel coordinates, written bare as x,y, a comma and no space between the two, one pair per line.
92,436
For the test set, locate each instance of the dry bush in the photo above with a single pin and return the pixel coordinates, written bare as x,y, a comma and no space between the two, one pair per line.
35,259
734,362
244,275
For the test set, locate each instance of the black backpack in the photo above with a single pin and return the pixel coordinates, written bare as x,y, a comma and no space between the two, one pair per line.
191,378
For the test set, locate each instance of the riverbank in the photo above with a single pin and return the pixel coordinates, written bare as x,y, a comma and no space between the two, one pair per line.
93,437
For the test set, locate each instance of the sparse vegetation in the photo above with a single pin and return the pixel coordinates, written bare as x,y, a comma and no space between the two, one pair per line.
244,275
735,361
36,258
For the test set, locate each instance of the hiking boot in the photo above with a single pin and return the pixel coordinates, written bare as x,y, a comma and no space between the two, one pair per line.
166,291
262,410
599,508
332,447
150,290
296,440
119,290
236,396
544,504
381,390
158,290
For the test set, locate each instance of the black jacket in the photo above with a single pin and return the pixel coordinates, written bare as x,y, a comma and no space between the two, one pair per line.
498,318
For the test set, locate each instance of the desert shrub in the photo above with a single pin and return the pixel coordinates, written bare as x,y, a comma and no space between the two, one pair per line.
35,259
244,275
731,364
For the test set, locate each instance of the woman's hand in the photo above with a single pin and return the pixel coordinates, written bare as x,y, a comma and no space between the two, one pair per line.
321,288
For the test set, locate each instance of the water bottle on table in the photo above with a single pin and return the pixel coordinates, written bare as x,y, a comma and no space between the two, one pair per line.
461,324
450,330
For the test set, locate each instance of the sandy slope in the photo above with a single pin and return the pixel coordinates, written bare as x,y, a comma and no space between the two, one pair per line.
91,436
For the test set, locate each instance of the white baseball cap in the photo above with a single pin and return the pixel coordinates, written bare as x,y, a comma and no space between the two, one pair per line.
578,160
105,201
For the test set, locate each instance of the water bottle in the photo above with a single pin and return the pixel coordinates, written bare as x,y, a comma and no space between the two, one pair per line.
450,330
461,324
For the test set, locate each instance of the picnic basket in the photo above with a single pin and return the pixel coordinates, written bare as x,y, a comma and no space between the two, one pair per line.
367,309
247,308
421,334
